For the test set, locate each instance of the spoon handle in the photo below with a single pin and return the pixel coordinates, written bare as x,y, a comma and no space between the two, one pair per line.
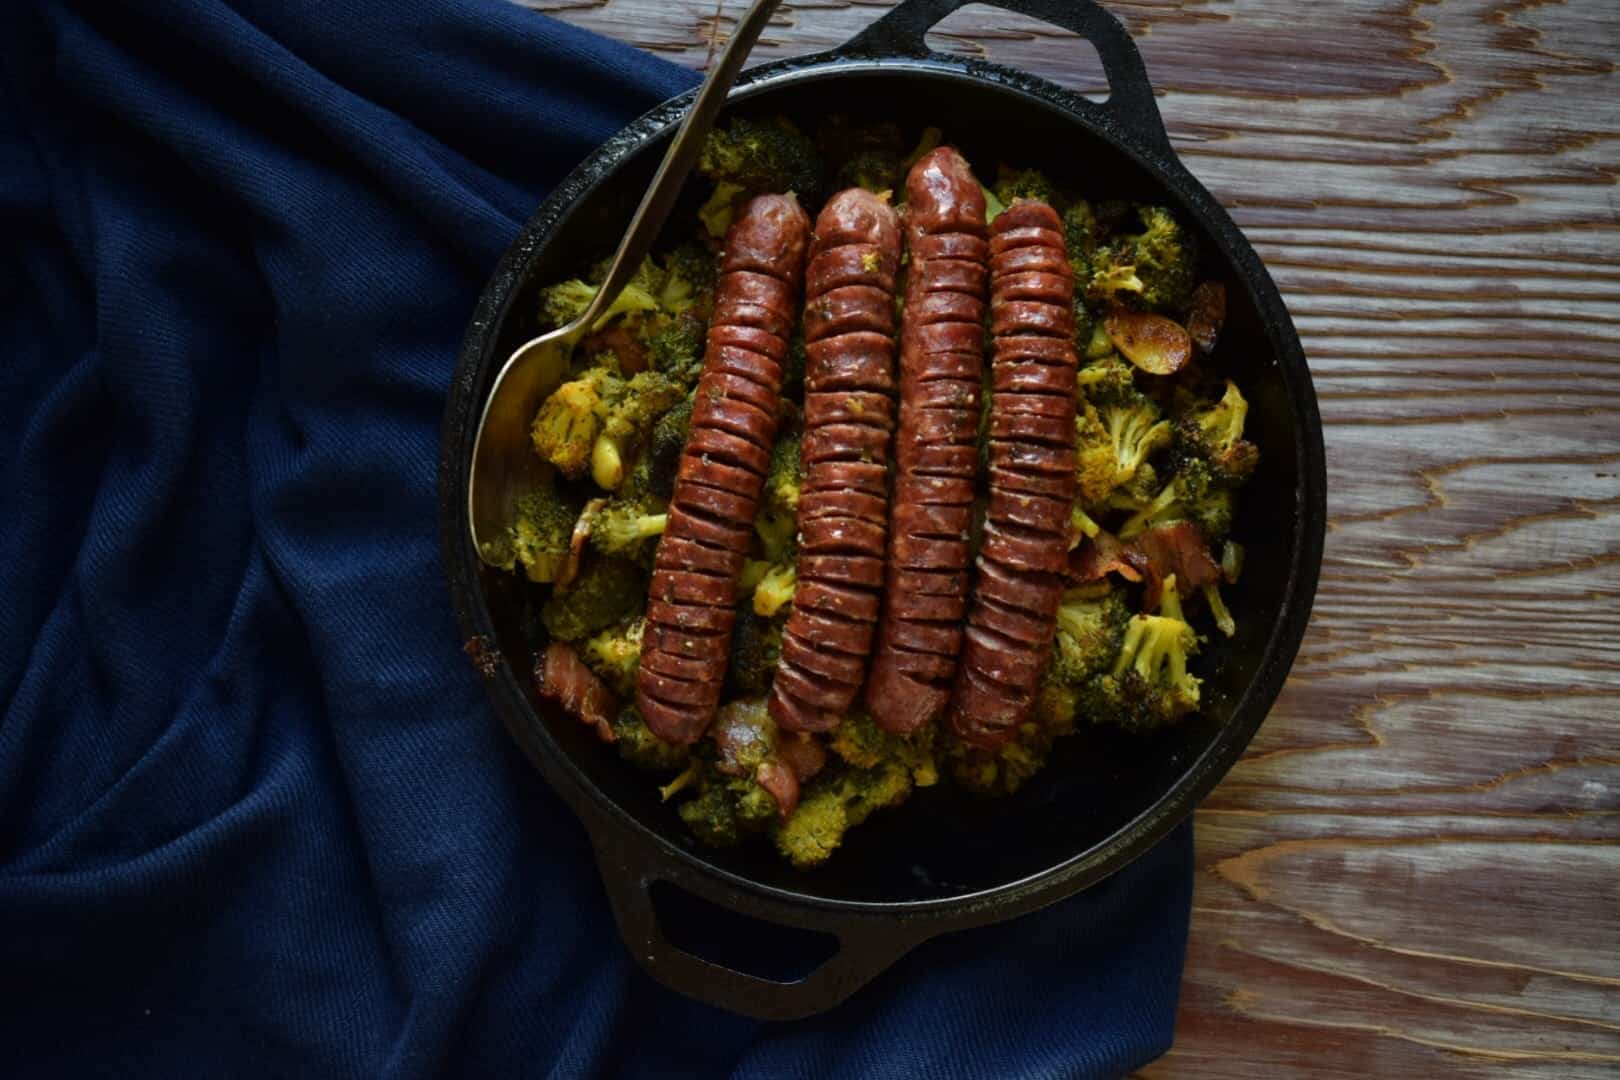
678,161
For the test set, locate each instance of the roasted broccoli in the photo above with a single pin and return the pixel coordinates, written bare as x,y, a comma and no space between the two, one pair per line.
622,526
863,745
1215,436
870,156
1080,232
614,653
793,365
1000,772
664,448
1107,378
1025,184
763,156
606,592
688,287
774,590
565,428
540,536
1192,494
641,749
784,476
833,803
756,647
566,301
1090,625
1154,269
1149,686
721,208
727,808
643,401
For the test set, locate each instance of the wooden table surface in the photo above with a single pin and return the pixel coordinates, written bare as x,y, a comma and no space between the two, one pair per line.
1415,871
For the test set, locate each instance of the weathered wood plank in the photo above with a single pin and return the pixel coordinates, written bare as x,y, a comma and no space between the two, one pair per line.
1416,869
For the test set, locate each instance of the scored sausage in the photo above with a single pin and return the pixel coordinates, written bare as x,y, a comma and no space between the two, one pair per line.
848,420
1019,571
690,605
936,456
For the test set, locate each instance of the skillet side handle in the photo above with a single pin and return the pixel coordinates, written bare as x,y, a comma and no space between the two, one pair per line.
866,948
904,32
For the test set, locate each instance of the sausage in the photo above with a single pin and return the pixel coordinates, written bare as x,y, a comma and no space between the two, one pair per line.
690,612
1018,575
936,456
849,324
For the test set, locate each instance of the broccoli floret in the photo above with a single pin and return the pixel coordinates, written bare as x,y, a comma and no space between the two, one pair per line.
642,750
539,538
623,526
1218,609
870,156
665,446
727,808
605,592
1025,184
1080,234
763,156
721,208
1000,772
565,428
1215,436
645,398
756,647
1149,686
993,206
832,804
674,346
614,654
689,273
1107,379
1154,269
774,590
1090,626
1190,495
1114,441
862,744
1096,459
562,303
784,475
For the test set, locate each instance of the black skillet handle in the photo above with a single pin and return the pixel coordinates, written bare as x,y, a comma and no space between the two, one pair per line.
867,946
904,30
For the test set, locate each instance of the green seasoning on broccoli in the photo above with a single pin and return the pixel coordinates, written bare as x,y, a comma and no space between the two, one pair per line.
1190,495
566,301
1107,378
643,750
1090,626
645,398
623,526
565,429
606,591
664,448
614,654
1149,686
675,347
1154,269
1215,436
540,536
784,476
832,803
689,273
762,156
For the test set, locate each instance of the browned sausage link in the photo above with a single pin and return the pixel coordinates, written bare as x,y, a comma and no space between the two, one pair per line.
848,420
1018,581
690,609
941,365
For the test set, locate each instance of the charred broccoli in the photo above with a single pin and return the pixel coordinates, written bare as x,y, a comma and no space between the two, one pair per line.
664,448
643,750
1192,494
870,156
995,773
614,653
863,745
1149,686
763,156
1214,435
644,399
688,287
1025,184
756,646
727,808
1154,269
606,591
1090,625
540,536
832,804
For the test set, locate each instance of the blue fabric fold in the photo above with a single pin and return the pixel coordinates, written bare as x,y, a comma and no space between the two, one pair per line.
255,816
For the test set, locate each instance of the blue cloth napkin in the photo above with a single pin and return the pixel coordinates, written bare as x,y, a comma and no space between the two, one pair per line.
255,816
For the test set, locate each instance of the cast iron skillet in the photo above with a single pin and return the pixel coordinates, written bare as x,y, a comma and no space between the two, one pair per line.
941,862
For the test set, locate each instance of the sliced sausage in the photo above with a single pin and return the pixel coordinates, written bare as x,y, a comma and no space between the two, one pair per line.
1024,543
849,416
689,606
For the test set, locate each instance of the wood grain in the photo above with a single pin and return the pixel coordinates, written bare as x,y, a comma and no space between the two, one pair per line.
1416,869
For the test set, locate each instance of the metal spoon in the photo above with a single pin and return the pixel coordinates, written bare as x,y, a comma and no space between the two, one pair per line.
504,464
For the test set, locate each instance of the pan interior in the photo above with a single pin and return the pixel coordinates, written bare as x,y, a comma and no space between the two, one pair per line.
1098,783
